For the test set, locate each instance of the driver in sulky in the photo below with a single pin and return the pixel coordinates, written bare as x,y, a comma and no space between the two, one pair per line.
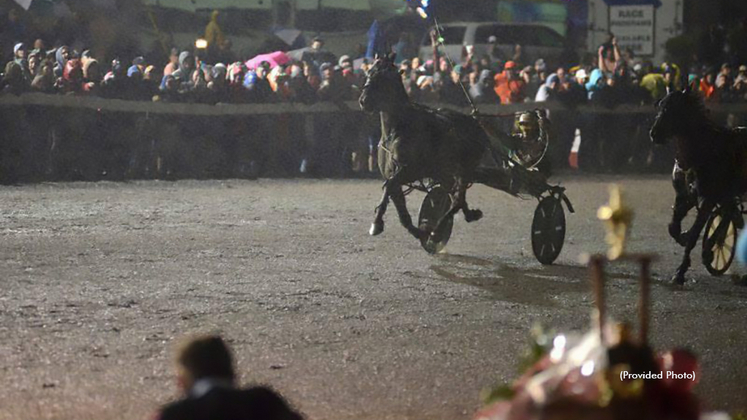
529,142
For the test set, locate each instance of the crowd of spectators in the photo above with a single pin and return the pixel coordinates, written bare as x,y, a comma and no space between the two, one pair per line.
211,76
612,78
188,76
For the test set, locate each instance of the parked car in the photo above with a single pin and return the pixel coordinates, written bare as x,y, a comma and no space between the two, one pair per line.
537,41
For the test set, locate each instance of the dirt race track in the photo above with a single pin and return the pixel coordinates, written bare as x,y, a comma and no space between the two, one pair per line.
98,282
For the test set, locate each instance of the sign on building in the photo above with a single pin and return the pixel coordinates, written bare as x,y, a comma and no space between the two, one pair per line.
633,26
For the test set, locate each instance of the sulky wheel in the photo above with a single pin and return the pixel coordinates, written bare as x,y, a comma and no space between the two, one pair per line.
435,204
548,229
719,242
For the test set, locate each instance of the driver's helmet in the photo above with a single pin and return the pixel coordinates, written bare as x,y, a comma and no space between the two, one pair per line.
528,123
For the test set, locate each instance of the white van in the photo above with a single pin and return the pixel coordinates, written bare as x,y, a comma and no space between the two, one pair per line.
537,41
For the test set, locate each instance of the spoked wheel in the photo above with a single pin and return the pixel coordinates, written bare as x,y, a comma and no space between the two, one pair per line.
719,242
548,229
435,204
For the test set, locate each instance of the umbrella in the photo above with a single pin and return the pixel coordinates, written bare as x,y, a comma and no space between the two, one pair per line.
292,37
275,59
24,3
319,56
297,55
376,41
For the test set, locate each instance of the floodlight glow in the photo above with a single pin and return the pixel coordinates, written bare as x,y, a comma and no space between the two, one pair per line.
201,44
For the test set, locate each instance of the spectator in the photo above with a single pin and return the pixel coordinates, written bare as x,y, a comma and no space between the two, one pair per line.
540,69
740,83
487,63
574,93
469,61
72,77
207,379
494,51
609,57
549,90
61,56
406,73
216,89
115,83
708,86
173,64
34,63
184,74
596,81
312,74
213,32
653,82
301,90
628,91
482,90
235,77
426,91
13,81
39,45
723,88
91,77
509,86
257,84
169,90
333,87
19,57
44,80
451,91
317,55
533,81
150,81
441,74
351,78
727,78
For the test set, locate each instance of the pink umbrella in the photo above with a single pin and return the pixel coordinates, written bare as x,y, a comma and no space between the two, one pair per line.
275,59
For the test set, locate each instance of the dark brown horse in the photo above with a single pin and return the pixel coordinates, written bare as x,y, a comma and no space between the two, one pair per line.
419,143
710,165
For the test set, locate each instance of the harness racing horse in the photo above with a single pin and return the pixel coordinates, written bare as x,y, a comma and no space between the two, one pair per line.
710,165
420,143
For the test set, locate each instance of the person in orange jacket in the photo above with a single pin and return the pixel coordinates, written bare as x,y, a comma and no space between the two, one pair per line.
509,86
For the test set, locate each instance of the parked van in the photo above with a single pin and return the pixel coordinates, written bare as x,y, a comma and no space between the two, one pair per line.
537,41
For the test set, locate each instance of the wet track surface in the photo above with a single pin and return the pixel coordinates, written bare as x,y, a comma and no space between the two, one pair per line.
99,281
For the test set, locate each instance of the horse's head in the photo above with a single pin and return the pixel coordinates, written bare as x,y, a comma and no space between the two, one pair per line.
675,109
383,88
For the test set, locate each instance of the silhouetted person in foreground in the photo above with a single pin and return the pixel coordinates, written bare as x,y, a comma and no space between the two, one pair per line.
206,376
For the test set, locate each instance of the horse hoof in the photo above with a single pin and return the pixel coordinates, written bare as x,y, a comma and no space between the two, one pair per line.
472,215
678,279
376,228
